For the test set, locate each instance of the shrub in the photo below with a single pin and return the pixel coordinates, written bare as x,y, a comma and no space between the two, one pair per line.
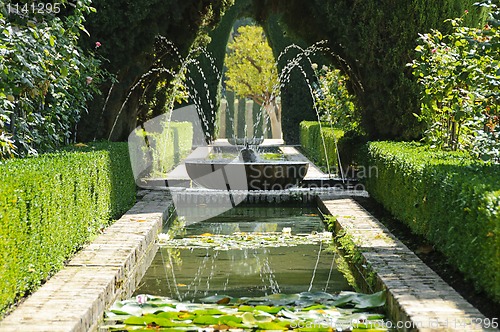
165,149
335,104
449,198
459,78
312,140
172,146
46,79
53,204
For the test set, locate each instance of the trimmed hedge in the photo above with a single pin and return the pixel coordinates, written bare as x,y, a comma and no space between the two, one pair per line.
312,143
447,197
53,204
171,147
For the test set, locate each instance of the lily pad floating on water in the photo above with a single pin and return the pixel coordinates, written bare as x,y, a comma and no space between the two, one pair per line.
279,312
241,240
360,301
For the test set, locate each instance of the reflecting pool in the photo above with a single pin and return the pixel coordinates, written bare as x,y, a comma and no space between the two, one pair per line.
247,251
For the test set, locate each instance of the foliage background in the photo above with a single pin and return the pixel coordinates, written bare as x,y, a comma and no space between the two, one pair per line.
46,79
371,43
460,87
129,33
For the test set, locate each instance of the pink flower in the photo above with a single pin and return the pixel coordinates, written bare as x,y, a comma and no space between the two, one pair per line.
434,50
466,11
97,44
141,299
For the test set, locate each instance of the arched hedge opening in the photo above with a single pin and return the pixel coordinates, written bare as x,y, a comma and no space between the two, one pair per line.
371,42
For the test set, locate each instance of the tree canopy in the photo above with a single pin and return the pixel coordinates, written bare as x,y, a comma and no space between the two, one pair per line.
252,72
251,69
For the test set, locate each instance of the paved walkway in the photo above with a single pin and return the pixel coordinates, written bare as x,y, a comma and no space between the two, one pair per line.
313,172
418,299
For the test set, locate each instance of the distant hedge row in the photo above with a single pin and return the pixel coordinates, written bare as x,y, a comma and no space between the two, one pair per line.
172,145
450,199
312,143
53,204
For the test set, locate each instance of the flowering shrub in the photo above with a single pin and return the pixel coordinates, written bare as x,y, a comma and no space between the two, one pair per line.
334,102
46,79
460,84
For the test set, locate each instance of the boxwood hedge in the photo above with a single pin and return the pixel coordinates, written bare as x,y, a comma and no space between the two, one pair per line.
449,198
171,146
312,143
53,204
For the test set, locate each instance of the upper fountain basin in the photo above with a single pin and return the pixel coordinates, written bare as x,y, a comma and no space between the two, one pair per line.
253,141
239,175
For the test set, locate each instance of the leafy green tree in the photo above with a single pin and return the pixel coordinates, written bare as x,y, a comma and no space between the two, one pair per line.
460,81
334,102
252,72
46,79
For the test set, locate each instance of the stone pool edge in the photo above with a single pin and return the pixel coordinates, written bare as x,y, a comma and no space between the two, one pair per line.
417,298
106,270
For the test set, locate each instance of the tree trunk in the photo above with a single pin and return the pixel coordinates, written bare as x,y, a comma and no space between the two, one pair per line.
273,112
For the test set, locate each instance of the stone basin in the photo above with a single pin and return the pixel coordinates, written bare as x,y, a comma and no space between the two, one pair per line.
253,141
238,175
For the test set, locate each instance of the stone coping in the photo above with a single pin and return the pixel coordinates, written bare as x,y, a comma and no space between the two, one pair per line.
106,270
417,298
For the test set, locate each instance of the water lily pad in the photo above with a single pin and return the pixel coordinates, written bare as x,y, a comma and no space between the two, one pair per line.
152,320
315,329
268,309
263,317
317,296
245,314
119,312
315,307
271,326
360,301
205,312
283,299
248,319
219,299
206,320
288,314
240,240
246,308
228,318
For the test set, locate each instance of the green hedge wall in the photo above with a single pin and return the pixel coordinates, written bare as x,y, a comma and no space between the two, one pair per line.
171,147
53,204
372,40
447,197
312,143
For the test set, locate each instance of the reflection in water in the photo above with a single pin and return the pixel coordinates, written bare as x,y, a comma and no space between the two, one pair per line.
190,274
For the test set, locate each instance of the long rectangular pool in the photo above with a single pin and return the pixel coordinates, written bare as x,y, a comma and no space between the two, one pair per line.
247,251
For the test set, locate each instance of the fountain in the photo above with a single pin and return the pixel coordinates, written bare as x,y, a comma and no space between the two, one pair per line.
246,172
